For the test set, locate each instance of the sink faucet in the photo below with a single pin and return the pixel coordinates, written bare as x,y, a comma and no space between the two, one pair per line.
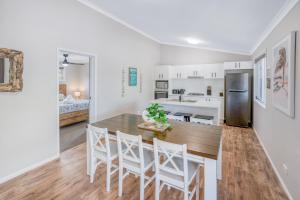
180,98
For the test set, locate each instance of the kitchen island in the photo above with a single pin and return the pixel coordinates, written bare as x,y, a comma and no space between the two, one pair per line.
195,107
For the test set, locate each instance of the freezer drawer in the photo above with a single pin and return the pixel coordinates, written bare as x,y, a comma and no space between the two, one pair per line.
237,108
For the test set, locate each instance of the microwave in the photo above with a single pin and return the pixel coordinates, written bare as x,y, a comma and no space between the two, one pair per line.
161,85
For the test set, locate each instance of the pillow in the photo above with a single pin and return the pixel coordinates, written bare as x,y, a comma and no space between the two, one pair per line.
61,97
69,100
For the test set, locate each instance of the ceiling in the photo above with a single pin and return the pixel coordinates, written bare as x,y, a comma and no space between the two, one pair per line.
231,25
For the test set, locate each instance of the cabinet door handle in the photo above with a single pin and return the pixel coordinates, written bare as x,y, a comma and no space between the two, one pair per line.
162,75
239,65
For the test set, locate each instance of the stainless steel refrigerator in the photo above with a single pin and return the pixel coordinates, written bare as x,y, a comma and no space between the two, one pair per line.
238,97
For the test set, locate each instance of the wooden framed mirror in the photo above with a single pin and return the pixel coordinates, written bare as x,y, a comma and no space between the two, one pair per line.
11,70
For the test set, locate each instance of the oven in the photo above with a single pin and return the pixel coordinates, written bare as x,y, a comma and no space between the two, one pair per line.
160,94
161,85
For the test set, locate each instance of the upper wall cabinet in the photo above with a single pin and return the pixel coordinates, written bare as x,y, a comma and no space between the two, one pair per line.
180,71
238,65
214,71
162,72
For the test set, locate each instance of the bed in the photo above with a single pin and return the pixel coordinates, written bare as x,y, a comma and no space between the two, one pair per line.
74,111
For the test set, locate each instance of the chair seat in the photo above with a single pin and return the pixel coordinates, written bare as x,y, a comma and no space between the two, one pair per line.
148,160
176,179
113,151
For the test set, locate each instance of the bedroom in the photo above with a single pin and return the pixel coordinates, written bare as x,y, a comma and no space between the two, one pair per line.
73,75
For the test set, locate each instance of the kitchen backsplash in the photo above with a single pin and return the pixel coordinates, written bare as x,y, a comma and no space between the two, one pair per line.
199,85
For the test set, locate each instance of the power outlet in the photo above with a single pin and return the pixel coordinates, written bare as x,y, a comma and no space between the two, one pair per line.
285,169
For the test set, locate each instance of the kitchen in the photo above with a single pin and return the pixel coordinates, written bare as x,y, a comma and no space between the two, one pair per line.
197,93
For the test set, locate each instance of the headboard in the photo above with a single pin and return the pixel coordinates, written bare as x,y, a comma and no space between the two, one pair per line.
63,89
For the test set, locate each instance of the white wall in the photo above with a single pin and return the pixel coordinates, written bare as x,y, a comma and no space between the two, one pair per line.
177,55
28,119
279,133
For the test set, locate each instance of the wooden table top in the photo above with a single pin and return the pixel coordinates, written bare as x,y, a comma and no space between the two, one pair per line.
201,140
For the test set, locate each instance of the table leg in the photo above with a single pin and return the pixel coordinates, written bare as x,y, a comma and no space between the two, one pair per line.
88,159
210,179
219,162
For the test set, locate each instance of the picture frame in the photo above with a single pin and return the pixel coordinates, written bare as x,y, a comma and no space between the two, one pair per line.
132,76
14,72
283,75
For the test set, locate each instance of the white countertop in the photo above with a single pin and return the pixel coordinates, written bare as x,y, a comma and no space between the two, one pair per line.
200,104
195,96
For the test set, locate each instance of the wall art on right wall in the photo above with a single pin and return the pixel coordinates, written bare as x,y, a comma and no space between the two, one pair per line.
283,76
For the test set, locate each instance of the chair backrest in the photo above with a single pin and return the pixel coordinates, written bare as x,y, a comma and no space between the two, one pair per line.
127,145
175,158
99,140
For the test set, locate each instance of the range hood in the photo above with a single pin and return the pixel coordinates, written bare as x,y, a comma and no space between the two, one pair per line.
195,77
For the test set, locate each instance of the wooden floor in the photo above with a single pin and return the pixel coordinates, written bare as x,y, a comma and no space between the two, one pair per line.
247,175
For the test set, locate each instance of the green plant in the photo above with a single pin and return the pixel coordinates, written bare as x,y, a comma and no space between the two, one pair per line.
157,113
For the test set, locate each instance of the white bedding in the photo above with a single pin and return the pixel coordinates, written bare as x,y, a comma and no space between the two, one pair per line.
75,105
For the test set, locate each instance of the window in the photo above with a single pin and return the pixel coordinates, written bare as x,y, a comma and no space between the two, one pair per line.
260,80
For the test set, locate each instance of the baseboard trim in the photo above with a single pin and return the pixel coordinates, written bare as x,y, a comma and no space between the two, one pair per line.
27,169
273,166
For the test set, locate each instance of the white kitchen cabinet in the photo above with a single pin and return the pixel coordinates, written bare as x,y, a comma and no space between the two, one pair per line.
179,72
214,71
162,72
195,71
246,65
238,65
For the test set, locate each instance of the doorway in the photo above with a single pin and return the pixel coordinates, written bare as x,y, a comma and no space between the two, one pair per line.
76,96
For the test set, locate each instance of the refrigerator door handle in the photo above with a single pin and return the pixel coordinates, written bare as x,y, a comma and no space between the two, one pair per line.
237,90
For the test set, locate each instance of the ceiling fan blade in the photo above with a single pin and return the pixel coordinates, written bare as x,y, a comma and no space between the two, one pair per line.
71,63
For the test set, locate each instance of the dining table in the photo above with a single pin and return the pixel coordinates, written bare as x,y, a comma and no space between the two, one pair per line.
204,143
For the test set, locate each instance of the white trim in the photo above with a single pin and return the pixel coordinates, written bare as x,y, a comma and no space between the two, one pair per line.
273,166
93,111
287,7
208,48
27,169
105,13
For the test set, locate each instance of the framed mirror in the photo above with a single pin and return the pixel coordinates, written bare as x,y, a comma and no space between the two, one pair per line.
11,70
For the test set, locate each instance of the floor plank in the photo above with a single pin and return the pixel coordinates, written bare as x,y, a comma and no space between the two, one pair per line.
247,174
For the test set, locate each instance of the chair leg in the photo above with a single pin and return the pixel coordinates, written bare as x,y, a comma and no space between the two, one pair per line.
186,193
120,180
142,185
92,170
108,171
157,188
197,185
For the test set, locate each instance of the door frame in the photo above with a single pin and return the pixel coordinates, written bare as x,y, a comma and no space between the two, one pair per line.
93,108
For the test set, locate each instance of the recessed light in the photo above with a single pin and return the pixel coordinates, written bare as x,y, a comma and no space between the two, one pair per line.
193,41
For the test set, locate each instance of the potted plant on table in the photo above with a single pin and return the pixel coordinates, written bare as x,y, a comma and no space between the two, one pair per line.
155,114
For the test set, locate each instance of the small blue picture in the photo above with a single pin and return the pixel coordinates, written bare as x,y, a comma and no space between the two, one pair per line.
132,76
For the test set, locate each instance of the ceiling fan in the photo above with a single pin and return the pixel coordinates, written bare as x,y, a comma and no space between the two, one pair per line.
65,63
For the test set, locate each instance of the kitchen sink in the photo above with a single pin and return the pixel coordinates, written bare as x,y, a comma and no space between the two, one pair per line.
186,100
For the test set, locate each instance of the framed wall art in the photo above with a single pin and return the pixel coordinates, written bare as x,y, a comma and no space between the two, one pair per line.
132,79
283,75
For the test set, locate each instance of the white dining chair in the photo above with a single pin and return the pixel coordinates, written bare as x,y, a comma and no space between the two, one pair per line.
201,121
103,149
173,169
136,158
